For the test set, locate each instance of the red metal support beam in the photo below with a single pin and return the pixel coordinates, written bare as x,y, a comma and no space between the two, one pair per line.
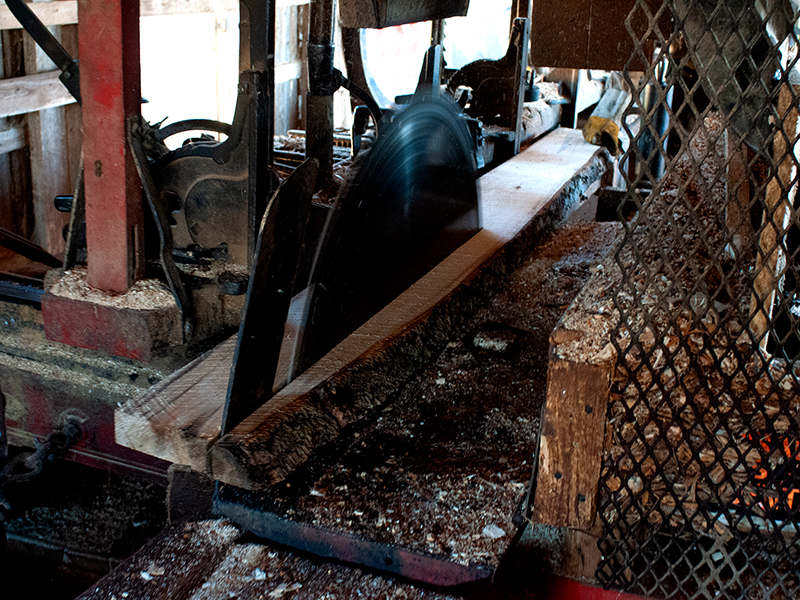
108,32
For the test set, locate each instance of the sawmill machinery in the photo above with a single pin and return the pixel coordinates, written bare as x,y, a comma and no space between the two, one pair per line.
227,243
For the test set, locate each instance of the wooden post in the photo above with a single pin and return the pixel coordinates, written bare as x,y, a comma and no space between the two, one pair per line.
49,163
737,205
111,91
781,192
573,430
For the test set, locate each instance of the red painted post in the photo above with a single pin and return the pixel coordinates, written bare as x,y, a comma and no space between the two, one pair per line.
108,33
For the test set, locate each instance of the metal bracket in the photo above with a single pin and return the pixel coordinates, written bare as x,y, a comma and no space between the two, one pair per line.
161,216
496,84
280,243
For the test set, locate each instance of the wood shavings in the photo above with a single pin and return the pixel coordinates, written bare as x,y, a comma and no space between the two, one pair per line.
145,294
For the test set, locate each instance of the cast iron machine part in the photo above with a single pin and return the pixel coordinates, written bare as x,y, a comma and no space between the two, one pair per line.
27,465
206,195
498,86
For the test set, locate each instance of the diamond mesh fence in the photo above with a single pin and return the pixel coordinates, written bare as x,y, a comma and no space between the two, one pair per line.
700,487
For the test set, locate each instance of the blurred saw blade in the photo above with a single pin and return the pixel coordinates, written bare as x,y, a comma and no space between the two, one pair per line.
411,201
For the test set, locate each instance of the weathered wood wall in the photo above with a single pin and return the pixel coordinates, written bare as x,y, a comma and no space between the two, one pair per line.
40,124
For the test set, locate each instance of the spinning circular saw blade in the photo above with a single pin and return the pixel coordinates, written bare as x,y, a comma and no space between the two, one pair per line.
411,202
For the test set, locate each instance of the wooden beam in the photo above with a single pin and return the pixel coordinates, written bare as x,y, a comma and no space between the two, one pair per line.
48,150
581,365
65,12
288,71
16,206
12,139
62,12
21,95
111,91
519,198
155,8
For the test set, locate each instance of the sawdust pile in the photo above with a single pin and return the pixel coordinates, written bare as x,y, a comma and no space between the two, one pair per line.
145,294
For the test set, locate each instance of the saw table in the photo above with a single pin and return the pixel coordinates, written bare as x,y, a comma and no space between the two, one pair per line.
179,420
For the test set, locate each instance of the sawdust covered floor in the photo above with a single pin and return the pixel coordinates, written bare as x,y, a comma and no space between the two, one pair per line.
71,526
442,468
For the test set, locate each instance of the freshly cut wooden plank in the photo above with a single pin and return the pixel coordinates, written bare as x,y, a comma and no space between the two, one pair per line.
20,95
62,12
519,200
180,417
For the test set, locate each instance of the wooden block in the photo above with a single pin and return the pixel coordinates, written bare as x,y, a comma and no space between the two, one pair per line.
582,361
135,325
519,200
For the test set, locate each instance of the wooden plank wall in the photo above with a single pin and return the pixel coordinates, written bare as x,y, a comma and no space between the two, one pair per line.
40,124
16,206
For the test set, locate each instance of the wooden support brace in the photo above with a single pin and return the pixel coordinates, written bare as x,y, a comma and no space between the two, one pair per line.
582,362
62,12
32,93
12,139
781,192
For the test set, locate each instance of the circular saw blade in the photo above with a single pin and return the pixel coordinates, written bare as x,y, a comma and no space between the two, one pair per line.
412,201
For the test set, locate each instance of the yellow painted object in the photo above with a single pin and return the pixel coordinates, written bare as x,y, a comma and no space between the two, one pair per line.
602,131
602,128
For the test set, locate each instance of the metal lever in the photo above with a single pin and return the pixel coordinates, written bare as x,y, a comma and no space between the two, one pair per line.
51,46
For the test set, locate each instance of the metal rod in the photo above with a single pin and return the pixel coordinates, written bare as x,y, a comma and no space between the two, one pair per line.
319,104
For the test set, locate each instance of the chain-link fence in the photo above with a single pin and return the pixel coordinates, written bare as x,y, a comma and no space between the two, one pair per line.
700,488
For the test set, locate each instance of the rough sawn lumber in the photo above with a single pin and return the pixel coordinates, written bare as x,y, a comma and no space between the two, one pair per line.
519,199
